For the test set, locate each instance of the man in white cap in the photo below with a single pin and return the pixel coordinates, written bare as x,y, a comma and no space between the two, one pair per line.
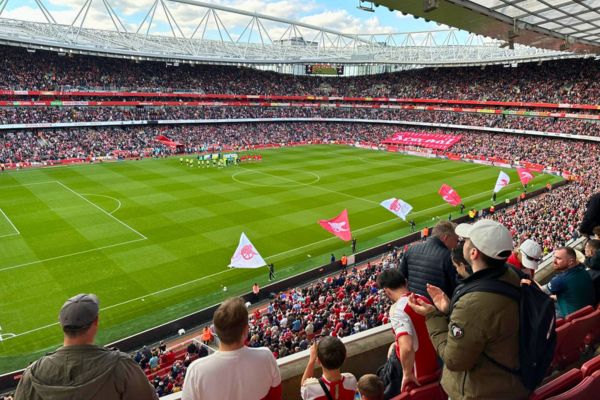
481,329
527,257
80,369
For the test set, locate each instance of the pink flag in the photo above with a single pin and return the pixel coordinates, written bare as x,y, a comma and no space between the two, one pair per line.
525,175
449,195
339,226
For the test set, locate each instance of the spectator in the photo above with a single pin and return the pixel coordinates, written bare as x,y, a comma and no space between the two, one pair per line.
592,264
527,257
330,353
429,262
81,369
572,287
370,387
480,326
459,262
154,362
412,346
251,373
591,219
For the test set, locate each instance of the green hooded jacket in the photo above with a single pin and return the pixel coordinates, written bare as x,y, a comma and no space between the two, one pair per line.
480,322
85,372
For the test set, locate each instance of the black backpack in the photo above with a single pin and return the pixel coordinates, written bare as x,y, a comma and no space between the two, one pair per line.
537,324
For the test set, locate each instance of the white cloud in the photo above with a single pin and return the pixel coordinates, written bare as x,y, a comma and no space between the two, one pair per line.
342,21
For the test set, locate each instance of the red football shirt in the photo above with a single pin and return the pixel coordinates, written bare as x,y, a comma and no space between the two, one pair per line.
405,321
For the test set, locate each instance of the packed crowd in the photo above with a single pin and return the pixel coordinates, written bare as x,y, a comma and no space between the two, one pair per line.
28,115
566,81
165,368
338,306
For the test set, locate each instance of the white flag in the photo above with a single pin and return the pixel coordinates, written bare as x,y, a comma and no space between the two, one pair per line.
246,256
397,206
503,180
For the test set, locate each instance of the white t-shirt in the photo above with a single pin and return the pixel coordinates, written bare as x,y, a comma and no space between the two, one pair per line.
243,374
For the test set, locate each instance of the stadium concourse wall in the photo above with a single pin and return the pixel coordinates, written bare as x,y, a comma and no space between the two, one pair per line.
376,344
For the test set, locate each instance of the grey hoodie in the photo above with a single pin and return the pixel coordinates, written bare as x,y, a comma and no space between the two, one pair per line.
84,372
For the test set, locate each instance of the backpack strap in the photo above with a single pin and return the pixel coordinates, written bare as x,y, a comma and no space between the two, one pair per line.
489,285
325,389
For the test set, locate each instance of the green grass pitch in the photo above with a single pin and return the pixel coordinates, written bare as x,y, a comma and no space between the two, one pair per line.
153,238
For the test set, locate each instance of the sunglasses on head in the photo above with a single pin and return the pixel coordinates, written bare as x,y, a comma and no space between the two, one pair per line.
532,258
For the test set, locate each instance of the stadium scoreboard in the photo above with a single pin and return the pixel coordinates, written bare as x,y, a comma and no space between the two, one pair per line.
324,69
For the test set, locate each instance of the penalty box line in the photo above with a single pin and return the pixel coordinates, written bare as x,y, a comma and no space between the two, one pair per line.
142,237
101,209
17,232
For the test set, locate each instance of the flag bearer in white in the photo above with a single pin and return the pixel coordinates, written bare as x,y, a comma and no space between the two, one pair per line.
235,372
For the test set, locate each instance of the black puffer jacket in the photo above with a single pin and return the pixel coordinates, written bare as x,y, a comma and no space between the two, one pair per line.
429,262
591,219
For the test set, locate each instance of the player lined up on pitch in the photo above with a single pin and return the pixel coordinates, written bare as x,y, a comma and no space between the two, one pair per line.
218,160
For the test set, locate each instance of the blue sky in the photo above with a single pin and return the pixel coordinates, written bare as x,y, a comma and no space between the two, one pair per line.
340,15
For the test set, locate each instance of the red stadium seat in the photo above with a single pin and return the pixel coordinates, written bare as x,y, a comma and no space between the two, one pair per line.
570,339
590,366
589,324
433,391
588,389
558,385
579,313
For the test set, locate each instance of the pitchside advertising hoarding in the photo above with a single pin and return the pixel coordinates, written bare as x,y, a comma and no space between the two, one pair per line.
428,140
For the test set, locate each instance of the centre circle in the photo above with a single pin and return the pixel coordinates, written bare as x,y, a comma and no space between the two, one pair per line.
284,181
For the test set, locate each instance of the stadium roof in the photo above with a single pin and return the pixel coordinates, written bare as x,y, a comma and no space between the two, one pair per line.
212,37
572,25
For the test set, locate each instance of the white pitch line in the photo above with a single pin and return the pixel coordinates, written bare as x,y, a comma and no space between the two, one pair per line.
9,235
71,254
99,208
10,222
131,300
310,184
108,197
26,184
231,269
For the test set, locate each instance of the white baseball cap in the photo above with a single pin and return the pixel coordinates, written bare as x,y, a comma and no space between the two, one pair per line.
488,236
531,254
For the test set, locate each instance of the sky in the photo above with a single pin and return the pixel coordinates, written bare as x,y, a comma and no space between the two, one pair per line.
339,15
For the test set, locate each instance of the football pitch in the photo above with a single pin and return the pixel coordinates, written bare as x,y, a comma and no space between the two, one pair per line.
153,238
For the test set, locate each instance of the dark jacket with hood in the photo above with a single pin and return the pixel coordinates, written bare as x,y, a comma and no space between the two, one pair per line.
593,265
85,372
429,262
591,219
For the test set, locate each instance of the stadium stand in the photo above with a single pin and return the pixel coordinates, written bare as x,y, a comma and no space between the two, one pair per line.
570,81
341,305
35,115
